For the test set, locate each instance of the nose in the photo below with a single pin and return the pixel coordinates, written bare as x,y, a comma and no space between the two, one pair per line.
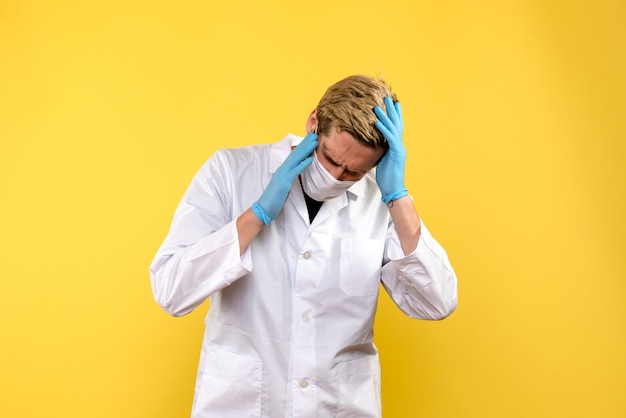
337,172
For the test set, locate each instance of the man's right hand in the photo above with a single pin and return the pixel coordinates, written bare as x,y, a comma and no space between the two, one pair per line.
275,194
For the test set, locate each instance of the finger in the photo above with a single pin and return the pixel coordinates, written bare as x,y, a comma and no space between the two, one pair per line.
382,116
391,110
394,141
387,123
399,113
385,131
300,167
306,147
308,139
310,136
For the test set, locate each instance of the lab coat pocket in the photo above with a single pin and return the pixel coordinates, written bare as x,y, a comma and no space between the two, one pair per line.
360,265
360,388
230,385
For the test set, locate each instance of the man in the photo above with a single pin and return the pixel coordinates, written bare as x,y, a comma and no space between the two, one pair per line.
291,245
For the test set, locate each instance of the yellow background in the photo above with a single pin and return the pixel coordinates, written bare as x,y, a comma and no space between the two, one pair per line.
515,129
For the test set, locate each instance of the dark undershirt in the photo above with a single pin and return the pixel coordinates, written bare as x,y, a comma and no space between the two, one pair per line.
312,205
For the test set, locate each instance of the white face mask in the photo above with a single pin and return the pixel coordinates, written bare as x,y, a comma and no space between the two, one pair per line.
319,184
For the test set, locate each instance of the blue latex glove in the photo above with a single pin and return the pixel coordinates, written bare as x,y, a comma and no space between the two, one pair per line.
390,169
275,194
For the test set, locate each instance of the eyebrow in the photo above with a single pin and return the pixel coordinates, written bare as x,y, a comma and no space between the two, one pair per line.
334,162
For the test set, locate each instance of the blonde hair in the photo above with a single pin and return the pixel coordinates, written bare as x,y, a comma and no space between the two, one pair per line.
349,106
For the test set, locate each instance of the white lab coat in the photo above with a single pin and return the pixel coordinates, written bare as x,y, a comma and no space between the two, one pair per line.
290,327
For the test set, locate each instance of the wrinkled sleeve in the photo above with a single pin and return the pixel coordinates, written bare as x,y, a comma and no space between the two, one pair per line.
422,284
200,254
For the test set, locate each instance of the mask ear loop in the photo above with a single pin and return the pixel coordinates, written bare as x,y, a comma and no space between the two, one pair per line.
315,130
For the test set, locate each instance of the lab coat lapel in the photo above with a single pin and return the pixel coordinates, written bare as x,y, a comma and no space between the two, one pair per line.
333,206
329,208
296,198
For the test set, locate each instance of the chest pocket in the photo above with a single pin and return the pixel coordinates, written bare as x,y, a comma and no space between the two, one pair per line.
360,261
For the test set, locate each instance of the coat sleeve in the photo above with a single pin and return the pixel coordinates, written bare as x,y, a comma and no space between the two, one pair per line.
200,254
422,284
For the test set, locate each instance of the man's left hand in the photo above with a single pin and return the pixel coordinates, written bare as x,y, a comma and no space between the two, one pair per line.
390,169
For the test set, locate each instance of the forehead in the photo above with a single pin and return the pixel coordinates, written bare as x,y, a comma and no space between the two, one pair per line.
343,149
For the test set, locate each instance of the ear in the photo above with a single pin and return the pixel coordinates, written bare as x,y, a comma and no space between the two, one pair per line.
311,123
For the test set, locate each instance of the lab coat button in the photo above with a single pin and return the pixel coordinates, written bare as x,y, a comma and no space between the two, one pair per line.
306,255
304,383
306,317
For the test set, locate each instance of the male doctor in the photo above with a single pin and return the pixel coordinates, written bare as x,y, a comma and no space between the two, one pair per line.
291,242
